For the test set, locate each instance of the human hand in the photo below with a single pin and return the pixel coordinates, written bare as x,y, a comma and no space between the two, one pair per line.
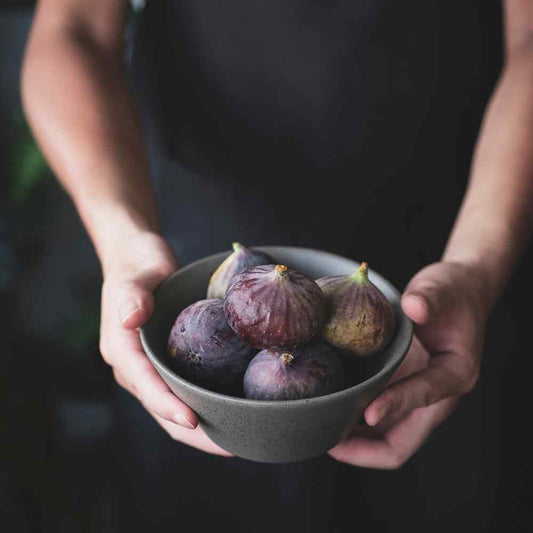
446,302
138,265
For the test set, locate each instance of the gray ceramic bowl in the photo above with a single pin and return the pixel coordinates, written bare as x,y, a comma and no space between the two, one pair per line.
271,431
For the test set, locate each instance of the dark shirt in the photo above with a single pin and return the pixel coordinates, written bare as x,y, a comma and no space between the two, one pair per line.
342,125
345,125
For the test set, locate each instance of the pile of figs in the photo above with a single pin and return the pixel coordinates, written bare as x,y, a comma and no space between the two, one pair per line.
269,332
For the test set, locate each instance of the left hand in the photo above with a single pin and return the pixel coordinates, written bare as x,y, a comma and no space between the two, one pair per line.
446,302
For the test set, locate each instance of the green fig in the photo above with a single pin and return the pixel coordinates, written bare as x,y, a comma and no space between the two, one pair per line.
241,259
359,318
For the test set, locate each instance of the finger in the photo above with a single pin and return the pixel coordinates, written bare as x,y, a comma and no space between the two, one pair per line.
154,393
133,298
134,304
123,351
424,299
416,359
196,438
367,452
416,307
392,449
446,375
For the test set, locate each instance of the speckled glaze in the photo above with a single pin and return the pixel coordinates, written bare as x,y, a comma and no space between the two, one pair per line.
271,431
274,306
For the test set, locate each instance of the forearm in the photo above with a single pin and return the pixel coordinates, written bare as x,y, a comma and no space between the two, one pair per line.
495,221
78,105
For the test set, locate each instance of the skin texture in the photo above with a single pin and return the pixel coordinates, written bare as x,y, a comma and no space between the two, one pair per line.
76,100
75,97
312,369
272,309
205,350
359,319
241,259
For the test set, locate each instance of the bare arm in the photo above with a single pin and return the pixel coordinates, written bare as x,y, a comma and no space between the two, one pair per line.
496,217
77,102
449,301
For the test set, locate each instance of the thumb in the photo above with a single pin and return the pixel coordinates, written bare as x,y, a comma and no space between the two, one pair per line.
424,299
135,305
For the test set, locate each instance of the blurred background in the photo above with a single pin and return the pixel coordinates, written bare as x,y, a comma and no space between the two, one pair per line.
62,446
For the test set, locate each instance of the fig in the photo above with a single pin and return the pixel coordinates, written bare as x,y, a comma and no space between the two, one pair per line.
359,318
311,369
241,258
205,350
273,306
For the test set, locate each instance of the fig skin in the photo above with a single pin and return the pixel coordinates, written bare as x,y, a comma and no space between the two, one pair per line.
273,306
312,369
359,318
205,350
241,259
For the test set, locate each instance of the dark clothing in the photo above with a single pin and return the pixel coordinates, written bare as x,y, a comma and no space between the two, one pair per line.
346,126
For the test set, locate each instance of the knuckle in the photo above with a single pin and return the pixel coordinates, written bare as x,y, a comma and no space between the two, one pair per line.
428,395
105,350
163,269
470,383
124,383
342,457
144,404
470,376
396,460
119,379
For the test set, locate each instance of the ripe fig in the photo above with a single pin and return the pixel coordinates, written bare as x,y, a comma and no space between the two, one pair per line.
205,350
312,369
359,318
241,259
273,306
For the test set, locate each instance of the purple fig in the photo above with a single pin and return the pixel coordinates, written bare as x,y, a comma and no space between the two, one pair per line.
312,369
359,318
241,259
273,306
205,350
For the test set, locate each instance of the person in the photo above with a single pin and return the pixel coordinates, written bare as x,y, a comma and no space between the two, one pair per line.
347,127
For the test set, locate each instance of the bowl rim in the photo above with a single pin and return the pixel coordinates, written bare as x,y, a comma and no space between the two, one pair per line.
392,364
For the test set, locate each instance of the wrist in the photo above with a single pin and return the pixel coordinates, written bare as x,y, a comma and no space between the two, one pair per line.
488,249
483,286
113,226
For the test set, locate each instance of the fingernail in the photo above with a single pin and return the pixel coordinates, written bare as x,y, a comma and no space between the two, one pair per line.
127,309
182,420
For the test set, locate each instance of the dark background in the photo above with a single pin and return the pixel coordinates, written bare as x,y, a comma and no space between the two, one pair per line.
69,463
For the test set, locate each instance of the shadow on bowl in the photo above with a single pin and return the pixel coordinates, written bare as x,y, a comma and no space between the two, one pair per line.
273,431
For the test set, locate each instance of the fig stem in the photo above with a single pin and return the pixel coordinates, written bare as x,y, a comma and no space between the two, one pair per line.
280,269
236,246
361,274
287,358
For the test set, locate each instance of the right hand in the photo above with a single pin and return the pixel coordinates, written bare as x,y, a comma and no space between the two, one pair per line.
138,265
